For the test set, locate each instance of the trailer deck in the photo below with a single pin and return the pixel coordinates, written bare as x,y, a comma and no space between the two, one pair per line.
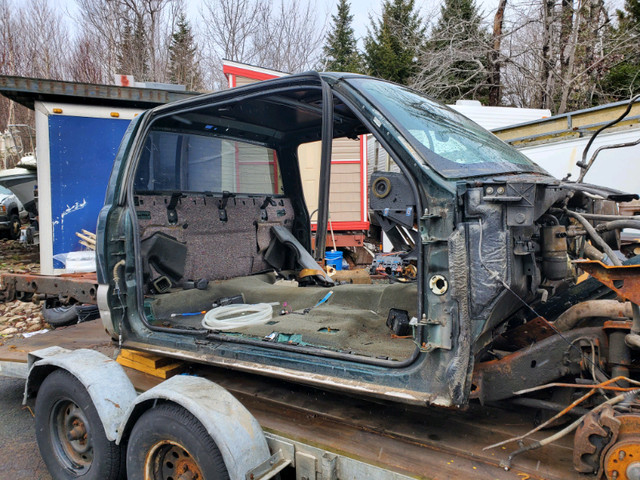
412,441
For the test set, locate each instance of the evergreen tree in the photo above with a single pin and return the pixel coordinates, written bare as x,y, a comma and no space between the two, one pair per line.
132,54
340,49
629,18
460,34
393,42
622,79
183,66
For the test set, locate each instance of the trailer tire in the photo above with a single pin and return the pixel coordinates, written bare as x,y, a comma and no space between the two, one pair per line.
63,408
167,442
60,316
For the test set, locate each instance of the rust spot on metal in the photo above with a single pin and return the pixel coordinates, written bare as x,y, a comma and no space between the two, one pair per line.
617,325
525,335
117,405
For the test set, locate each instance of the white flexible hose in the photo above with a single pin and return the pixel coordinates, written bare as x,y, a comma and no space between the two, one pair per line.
237,316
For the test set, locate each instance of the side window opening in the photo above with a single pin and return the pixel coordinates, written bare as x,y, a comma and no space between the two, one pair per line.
215,229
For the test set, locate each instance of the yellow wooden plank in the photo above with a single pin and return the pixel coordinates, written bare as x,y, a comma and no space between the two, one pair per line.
164,372
148,359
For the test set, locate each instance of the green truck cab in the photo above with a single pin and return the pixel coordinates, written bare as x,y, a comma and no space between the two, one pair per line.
205,210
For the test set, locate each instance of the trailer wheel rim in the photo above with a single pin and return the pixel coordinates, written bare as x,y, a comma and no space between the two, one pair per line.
71,436
170,460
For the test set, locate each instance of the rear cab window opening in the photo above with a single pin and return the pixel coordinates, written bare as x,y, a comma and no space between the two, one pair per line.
188,162
219,213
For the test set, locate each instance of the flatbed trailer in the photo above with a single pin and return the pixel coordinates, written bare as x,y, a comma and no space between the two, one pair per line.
352,437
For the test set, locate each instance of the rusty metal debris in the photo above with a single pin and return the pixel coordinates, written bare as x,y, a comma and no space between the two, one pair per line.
543,362
533,331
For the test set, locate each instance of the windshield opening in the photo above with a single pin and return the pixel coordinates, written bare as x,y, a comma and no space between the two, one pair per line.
453,145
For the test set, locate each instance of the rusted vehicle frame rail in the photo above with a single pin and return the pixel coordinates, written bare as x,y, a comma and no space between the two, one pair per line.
624,280
69,288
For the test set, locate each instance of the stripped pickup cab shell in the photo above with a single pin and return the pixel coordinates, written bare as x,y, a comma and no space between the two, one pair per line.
204,254
201,188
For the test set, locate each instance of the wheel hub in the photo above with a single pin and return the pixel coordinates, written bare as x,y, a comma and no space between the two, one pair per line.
622,459
72,440
170,460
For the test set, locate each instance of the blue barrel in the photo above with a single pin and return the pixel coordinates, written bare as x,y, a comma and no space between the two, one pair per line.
333,259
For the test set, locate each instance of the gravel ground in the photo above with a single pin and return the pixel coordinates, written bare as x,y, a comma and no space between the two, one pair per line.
19,317
21,459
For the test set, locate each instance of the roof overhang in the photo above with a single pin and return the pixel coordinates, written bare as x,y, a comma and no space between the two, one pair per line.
26,91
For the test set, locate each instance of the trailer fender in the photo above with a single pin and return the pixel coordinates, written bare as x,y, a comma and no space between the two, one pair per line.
235,431
108,386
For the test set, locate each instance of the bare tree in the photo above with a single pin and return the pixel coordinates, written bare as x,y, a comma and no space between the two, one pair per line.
557,52
105,22
292,42
9,53
231,27
44,40
84,64
99,21
34,43
282,37
495,65
454,62
157,17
